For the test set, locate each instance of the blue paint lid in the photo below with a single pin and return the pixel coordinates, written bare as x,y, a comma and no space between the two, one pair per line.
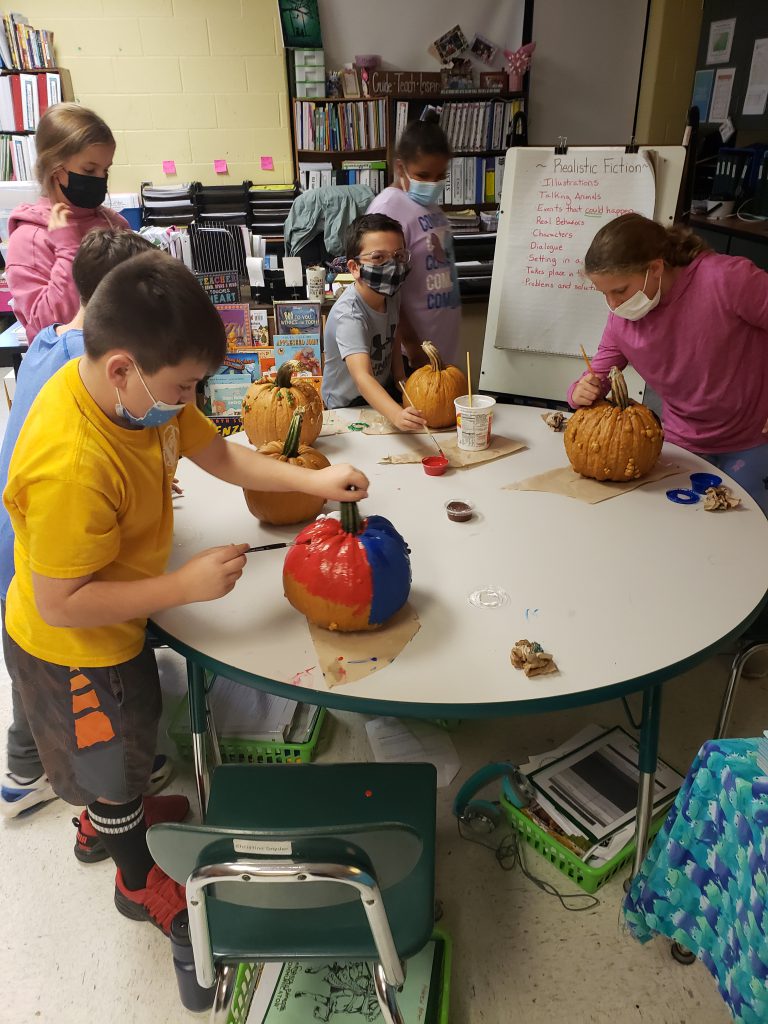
682,496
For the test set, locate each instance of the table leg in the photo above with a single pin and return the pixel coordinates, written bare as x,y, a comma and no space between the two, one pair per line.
198,721
649,750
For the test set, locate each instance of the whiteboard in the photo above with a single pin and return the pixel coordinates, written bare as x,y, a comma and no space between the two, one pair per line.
540,374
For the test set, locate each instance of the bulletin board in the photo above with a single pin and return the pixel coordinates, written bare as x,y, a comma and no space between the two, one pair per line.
536,321
751,24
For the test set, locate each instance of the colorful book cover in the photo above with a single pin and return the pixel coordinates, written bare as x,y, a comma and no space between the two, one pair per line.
259,327
227,425
304,349
266,357
340,993
221,287
237,323
224,395
297,318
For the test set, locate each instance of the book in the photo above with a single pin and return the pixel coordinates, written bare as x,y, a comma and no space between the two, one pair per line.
266,357
301,317
237,323
303,349
259,327
224,391
344,993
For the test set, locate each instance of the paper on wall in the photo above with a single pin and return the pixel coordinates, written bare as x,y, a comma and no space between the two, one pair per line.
721,94
757,87
720,41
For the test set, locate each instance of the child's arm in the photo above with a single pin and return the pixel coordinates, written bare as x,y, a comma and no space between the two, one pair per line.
361,371
236,464
87,602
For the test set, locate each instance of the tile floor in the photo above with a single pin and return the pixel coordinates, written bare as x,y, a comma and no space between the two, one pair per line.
66,955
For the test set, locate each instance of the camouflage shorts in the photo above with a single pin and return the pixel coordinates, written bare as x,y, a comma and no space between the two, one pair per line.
95,728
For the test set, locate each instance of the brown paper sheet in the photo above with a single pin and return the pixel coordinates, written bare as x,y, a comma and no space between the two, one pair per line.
333,423
565,481
348,657
458,459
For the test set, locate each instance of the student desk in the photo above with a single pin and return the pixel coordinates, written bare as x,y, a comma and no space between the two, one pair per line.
625,594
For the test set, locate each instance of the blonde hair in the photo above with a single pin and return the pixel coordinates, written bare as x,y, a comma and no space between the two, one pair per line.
64,130
629,243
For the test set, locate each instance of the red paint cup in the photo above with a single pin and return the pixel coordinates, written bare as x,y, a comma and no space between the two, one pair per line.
435,465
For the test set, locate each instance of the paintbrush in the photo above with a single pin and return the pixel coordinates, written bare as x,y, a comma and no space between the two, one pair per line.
271,547
585,357
410,401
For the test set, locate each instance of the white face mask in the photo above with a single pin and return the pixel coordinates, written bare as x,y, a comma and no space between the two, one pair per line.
636,307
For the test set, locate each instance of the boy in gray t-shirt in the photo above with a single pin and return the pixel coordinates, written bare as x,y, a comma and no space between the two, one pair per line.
362,359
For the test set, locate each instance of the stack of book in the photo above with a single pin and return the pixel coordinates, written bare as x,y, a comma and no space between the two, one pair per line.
462,221
479,126
25,48
340,127
353,172
25,98
298,327
17,157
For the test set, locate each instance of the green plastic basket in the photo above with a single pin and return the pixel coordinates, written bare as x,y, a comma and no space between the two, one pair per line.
247,978
590,879
239,749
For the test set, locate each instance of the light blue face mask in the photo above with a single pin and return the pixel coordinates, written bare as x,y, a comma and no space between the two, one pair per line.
425,193
158,414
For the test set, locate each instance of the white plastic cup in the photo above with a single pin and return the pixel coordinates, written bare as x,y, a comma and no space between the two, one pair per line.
316,283
473,422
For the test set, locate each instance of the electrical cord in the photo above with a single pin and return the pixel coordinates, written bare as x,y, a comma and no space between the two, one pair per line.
509,853
628,711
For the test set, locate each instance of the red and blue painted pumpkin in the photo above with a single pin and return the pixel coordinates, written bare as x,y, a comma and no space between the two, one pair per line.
348,575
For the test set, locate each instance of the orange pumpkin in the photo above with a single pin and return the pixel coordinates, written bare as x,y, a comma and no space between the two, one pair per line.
281,509
269,405
434,387
614,440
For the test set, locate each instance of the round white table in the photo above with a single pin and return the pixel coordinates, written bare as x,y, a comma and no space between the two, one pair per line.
625,594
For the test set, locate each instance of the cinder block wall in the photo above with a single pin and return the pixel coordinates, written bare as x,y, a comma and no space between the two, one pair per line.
186,80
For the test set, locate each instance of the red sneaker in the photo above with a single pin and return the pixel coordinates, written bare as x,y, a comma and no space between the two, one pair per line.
158,902
89,848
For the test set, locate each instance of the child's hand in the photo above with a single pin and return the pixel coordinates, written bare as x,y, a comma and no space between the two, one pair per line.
410,419
212,573
59,217
587,390
341,483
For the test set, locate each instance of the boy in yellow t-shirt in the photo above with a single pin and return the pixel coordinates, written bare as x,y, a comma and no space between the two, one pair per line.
89,496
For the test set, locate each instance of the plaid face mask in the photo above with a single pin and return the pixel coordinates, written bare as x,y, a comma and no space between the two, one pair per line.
385,279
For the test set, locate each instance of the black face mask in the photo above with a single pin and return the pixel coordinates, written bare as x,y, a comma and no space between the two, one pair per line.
85,190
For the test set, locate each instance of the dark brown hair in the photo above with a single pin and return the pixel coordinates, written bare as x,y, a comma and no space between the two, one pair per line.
64,130
100,251
358,229
423,137
629,243
152,307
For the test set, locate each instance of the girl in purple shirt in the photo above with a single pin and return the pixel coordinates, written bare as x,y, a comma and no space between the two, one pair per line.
694,324
430,304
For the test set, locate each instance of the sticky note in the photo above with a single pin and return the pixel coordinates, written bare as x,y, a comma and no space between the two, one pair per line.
267,163
169,166
220,166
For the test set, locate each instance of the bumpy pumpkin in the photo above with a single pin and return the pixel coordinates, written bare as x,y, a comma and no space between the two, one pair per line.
348,575
269,405
434,387
285,508
617,440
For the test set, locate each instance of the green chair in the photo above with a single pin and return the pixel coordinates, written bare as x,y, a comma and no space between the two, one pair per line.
301,862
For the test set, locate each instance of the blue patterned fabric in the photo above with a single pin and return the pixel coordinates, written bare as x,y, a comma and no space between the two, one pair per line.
704,882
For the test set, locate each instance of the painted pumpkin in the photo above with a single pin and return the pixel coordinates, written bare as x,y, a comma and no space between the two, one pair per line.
282,509
434,387
269,405
614,440
349,574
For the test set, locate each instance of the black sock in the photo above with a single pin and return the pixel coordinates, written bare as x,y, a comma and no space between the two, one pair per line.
123,831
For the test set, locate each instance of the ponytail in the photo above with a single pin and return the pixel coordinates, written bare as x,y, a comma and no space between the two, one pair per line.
629,243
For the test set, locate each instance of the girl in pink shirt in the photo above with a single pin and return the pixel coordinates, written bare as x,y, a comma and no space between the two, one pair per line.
694,324
75,149
430,304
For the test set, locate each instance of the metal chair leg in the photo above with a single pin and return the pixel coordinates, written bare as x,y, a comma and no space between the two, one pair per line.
387,995
225,990
734,679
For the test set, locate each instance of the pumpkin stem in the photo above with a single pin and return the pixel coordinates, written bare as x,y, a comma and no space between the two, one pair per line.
285,374
619,392
350,517
292,438
433,355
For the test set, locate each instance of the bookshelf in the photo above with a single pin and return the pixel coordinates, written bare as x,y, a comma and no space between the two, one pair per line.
341,142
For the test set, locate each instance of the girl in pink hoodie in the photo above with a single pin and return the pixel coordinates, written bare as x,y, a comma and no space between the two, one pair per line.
75,149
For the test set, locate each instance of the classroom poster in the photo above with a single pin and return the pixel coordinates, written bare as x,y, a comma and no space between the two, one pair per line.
720,41
702,91
757,87
300,22
721,94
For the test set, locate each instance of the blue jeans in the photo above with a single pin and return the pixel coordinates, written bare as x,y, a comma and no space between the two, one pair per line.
748,468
